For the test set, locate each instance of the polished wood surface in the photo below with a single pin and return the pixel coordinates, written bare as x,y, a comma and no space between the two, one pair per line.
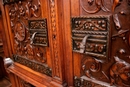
66,43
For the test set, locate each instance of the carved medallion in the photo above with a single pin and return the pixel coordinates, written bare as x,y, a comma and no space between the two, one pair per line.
19,31
93,8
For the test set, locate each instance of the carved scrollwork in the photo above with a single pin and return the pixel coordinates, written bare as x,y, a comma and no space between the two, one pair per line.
120,73
91,65
99,5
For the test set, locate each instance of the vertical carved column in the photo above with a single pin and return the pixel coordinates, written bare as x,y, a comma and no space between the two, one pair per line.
56,44
54,37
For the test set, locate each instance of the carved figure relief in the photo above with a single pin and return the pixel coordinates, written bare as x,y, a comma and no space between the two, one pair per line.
120,73
19,31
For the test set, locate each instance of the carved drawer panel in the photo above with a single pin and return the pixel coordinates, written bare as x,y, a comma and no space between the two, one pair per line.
90,35
38,32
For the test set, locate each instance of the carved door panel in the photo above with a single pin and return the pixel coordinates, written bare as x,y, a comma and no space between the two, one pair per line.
29,33
34,40
100,36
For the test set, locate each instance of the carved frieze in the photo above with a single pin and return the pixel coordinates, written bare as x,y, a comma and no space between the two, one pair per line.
90,35
34,65
86,82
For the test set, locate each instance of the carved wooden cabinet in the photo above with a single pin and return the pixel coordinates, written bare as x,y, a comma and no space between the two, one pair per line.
71,43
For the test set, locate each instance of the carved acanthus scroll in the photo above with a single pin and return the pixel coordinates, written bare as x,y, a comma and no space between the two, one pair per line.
99,5
91,65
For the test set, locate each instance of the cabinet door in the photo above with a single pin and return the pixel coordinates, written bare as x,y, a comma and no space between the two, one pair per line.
100,42
34,41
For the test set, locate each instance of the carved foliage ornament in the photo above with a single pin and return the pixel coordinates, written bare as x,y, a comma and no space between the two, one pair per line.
20,12
89,65
42,68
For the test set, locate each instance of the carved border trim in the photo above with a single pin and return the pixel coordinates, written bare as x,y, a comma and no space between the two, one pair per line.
54,37
42,68
10,1
87,82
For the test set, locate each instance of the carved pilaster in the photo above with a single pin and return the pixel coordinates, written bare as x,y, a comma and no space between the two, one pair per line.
54,38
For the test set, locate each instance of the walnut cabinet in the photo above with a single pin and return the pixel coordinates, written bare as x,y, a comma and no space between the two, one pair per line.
67,43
